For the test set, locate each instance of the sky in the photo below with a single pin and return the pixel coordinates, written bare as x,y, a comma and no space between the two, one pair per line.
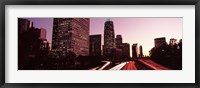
142,31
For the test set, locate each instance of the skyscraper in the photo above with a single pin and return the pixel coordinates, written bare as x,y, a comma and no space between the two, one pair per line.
95,45
134,51
70,35
141,51
109,39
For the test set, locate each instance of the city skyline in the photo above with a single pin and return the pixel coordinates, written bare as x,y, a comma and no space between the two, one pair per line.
142,31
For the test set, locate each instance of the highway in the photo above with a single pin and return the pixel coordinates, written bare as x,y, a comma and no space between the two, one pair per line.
141,64
130,66
153,64
105,66
119,66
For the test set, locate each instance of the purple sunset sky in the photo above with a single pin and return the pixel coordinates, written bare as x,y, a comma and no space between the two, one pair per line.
133,30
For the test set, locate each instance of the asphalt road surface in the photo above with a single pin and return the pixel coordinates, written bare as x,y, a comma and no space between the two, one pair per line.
129,66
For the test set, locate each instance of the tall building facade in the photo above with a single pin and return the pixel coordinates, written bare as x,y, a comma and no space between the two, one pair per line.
118,41
95,45
24,25
141,52
43,33
109,39
70,35
134,51
159,41
125,50
32,45
180,44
